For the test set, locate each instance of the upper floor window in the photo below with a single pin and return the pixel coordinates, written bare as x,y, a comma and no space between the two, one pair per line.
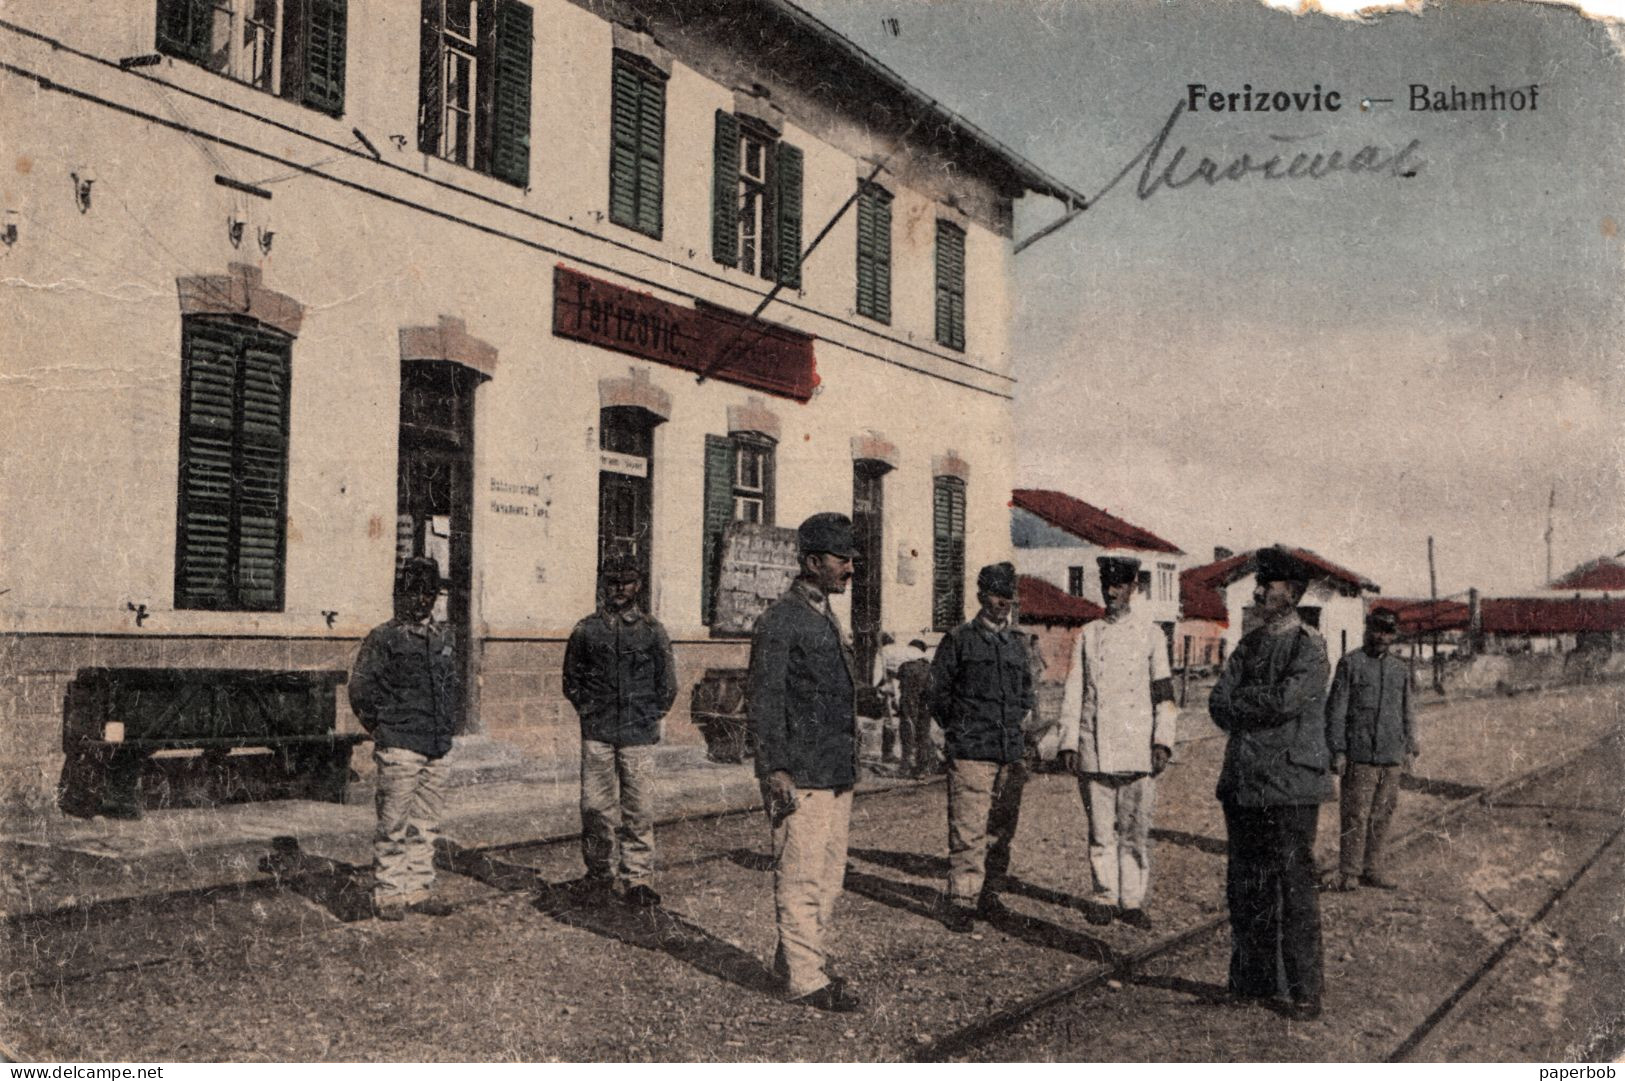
1074,581
230,536
1165,581
874,253
291,48
637,156
474,85
950,285
756,193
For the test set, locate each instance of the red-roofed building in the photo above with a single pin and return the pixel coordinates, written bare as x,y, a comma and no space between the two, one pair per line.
1215,598
1058,537
1605,574
1054,616
1543,617
1423,616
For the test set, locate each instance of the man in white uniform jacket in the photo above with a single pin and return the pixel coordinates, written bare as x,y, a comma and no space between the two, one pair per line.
1117,734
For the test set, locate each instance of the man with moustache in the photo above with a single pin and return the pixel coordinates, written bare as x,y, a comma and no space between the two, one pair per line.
1117,735
620,676
981,692
1271,701
1371,730
801,705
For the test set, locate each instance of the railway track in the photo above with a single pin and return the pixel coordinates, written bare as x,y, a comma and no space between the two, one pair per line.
968,1039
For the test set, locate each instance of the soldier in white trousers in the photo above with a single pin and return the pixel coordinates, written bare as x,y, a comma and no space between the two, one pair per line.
1117,734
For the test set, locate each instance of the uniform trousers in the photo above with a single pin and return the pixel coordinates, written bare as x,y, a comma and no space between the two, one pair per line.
809,868
1119,811
984,807
1369,795
617,811
1274,907
411,799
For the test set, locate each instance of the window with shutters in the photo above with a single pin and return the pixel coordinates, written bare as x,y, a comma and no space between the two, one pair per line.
874,253
231,510
1074,581
291,48
756,200
474,85
950,285
738,488
637,153
1165,581
947,553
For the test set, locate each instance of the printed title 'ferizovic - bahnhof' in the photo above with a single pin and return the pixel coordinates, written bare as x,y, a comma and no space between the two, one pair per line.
302,288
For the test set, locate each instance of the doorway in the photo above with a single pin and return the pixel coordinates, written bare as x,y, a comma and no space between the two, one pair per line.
868,566
626,489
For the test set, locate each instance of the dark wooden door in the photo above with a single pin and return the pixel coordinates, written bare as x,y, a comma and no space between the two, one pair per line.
868,518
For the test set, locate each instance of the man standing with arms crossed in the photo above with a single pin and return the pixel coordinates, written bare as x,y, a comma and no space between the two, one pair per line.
1117,734
1271,701
1371,730
801,705
620,676
981,691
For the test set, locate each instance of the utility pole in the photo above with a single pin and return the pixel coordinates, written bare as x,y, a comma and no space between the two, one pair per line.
1433,598
1551,507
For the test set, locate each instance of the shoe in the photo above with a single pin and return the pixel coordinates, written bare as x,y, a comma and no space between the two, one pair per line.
642,896
989,907
389,911
833,997
1136,918
959,919
1378,882
1344,884
1302,1009
1244,999
1099,915
430,906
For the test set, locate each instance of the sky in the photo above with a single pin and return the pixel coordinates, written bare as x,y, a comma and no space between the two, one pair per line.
1350,364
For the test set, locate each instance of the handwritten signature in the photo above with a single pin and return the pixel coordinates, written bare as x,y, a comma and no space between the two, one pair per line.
1155,173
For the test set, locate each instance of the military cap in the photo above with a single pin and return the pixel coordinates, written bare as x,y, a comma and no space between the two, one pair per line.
419,574
826,532
1115,570
619,569
1382,619
1276,564
998,579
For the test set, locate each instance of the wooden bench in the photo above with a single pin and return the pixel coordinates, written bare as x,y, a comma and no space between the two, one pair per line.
117,718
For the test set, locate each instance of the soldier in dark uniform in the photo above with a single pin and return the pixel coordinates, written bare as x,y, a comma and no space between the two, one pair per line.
1271,700
981,692
801,704
620,676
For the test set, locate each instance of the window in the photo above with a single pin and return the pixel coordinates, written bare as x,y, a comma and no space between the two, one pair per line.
756,190
474,85
231,508
738,488
1165,581
637,145
947,553
291,48
950,285
874,253
1074,581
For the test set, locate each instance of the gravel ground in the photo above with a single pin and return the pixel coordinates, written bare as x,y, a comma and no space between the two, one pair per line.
521,972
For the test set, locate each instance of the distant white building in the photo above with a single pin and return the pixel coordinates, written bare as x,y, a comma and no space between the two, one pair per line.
1058,538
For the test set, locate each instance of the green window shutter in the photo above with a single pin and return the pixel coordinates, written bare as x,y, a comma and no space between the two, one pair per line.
947,553
510,113
725,190
625,93
208,445
787,215
321,34
950,285
719,511
262,461
651,155
429,62
184,28
230,542
874,254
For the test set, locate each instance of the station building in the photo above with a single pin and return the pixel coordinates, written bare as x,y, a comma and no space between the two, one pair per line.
297,288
